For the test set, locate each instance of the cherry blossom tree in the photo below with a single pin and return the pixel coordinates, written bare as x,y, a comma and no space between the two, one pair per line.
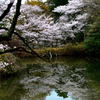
41,30
73,18
38,27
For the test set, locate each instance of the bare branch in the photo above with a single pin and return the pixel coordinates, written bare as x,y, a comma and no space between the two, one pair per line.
27,45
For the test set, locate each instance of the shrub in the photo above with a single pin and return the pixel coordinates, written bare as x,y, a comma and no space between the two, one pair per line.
92,42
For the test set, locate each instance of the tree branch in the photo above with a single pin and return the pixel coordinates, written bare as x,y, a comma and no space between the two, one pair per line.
6,11
7,36
27,45
14,22
25,42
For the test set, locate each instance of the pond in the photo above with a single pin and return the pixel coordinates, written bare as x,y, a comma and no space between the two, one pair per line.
57,79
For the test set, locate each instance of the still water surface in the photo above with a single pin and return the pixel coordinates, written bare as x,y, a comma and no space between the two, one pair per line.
59,79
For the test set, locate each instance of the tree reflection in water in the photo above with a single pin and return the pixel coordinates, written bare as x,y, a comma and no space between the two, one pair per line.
65,79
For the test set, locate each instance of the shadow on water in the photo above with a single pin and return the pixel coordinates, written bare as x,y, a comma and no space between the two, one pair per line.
59,79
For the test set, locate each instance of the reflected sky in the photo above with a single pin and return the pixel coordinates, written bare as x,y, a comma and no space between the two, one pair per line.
54,96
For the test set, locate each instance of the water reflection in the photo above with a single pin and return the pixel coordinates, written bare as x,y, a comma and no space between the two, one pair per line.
60,79
56,96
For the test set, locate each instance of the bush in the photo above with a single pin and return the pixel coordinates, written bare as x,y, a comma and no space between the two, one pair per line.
92,42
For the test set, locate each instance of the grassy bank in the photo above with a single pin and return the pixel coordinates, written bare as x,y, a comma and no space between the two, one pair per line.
66,50
72,50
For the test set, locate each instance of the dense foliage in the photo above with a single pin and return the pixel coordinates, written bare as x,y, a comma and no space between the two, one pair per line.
92,41
92,38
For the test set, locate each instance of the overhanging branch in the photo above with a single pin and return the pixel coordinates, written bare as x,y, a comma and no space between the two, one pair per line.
25,43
